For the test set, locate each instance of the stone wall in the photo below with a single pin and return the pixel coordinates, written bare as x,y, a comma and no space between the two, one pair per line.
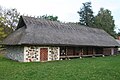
15,53
31,54
53,53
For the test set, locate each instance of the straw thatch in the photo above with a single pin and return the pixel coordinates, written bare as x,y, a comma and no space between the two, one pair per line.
34,31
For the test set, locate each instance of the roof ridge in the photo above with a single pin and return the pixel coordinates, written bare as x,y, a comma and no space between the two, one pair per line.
32,20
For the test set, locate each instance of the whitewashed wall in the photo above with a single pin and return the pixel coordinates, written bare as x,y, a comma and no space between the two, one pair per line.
112,51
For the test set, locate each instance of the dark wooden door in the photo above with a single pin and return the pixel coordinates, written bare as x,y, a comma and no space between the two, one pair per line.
43,54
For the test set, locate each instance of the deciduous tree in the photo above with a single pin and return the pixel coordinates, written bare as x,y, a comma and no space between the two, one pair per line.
11,17
104,20
8,21
3,34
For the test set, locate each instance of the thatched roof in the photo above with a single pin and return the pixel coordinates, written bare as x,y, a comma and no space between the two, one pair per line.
34,31
118,41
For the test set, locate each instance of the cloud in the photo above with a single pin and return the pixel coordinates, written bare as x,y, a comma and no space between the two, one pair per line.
111,5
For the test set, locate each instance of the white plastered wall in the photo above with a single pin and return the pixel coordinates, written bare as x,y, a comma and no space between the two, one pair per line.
112,51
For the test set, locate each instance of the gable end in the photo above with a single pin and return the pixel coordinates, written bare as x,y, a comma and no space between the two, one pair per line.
21,23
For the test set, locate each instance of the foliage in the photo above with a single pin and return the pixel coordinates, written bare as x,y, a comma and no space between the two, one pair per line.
8,21
101,68
50,17
11,18
86,15
104,20
118,34
3,34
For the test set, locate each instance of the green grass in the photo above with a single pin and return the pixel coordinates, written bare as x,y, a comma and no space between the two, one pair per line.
100,68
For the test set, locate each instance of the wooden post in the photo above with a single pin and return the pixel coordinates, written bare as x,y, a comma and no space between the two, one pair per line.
81,53
66,56
94,51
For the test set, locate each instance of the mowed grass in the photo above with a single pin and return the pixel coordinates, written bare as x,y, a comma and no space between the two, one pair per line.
99,68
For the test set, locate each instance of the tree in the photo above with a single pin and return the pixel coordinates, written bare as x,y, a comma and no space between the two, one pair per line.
104,20
2,32
8,21
50,17
86,15
11,18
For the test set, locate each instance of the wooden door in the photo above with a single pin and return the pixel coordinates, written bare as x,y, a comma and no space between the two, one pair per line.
43,54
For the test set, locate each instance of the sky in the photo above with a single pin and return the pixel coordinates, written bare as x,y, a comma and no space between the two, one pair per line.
66,10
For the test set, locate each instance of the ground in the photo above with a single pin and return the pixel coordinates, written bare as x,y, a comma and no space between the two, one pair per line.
99,68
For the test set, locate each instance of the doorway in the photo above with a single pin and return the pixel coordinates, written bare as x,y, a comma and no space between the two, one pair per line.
43,54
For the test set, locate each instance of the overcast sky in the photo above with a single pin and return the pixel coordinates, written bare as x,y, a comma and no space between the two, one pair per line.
66,10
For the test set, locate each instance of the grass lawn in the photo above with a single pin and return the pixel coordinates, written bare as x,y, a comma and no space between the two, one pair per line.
99,68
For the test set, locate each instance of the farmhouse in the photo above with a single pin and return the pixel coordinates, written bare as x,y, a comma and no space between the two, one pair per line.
43,40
